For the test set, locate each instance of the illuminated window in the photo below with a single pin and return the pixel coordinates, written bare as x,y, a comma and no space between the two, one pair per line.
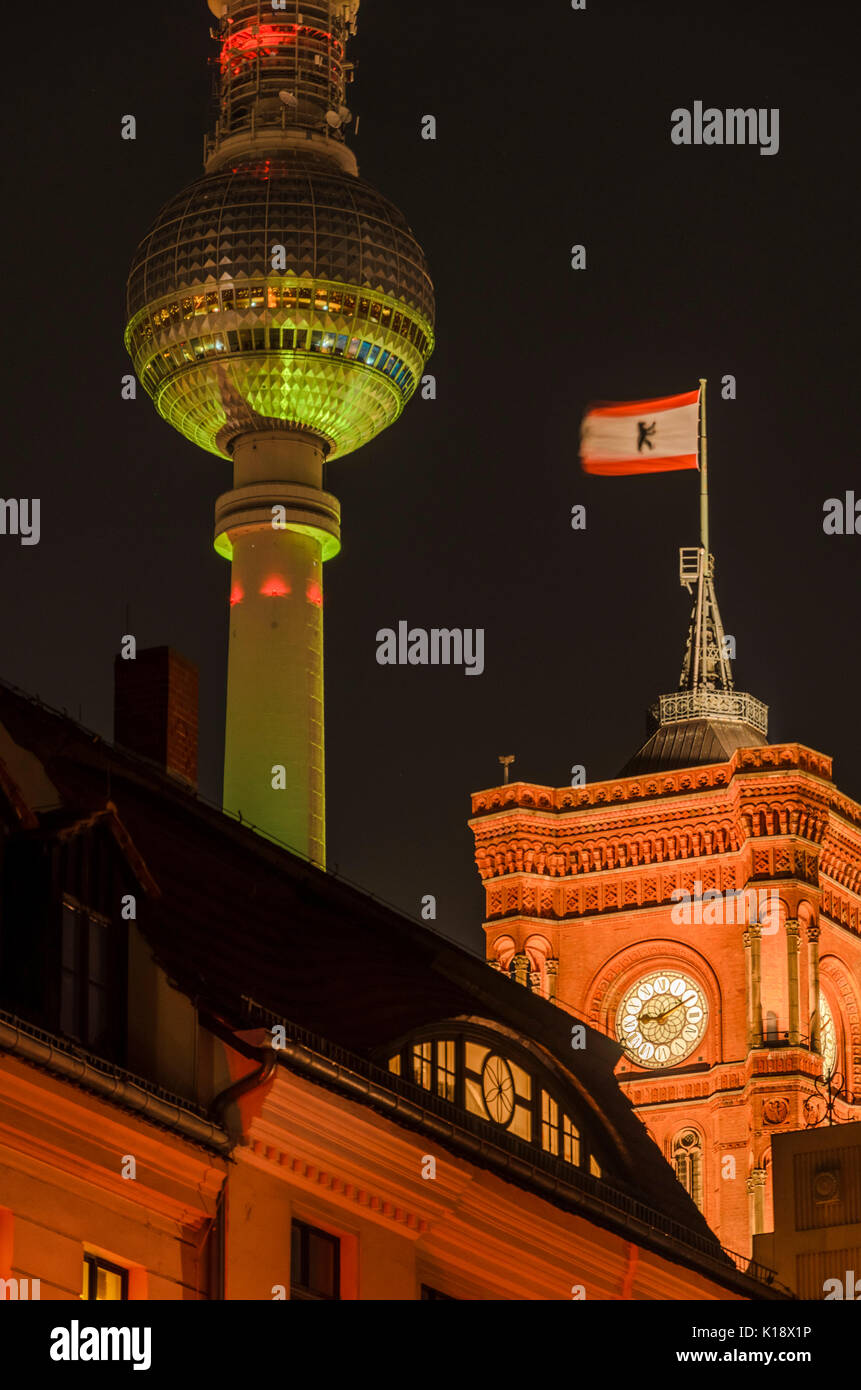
688,1163
498,1090
446,1075
549,1124
395,1064
570,1142
315,1263
104,1281
422,1058
594,1166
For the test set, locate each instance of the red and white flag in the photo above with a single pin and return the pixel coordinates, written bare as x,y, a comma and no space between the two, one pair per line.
641,436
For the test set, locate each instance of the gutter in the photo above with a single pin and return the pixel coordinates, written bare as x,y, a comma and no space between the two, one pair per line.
132,1094
302,1059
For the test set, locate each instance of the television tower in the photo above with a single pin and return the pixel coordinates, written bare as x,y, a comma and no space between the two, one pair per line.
280,313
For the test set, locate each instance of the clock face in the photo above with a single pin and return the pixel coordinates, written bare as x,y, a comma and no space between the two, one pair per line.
497,1085
661,1019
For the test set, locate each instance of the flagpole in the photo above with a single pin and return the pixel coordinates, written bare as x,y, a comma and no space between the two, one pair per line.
704,479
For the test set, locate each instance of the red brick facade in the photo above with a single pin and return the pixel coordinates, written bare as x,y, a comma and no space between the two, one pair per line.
580,906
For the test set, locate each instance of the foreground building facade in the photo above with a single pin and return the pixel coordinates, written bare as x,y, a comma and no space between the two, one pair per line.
224,1074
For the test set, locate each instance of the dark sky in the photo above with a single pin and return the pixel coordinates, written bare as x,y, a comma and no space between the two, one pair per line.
554,129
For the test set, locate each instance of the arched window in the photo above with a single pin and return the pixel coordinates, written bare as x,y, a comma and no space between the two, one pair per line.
688,1163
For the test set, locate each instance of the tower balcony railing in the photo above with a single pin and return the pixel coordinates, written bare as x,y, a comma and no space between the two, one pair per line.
729,705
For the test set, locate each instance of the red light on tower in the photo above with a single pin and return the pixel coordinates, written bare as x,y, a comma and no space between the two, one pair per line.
236,595
275,587
315,593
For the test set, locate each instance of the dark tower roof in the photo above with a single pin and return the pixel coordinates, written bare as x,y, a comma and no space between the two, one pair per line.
706,720
692,743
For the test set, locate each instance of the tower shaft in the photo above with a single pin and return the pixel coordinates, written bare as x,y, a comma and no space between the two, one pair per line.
277,526
280,313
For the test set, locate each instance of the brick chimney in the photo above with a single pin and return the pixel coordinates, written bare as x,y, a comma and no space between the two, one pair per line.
155,710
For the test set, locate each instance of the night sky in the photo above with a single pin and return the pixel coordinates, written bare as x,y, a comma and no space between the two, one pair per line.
553,129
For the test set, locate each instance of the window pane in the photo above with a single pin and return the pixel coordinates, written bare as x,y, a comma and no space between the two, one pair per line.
475,1055
71,937
97,1014
422,1064
321,1264
570,1142
97,952
69,1003
109,1284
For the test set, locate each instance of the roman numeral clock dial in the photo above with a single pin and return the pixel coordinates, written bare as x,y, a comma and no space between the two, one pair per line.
662,1019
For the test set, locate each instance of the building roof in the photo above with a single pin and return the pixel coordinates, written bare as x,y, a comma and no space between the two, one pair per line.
232,916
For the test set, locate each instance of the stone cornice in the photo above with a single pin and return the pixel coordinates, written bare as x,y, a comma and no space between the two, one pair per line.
75,1133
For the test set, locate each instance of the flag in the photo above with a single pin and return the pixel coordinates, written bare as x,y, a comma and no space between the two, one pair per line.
641,436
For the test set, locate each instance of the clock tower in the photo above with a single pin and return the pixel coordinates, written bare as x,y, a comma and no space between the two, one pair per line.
703,908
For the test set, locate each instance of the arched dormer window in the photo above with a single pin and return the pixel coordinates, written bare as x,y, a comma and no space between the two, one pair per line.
501,1086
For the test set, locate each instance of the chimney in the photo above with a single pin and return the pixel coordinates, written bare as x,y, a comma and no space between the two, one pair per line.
155,710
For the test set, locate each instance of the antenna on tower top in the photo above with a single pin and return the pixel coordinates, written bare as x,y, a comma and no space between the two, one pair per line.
506,759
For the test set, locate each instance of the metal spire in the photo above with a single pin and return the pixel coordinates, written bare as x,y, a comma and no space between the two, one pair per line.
706,686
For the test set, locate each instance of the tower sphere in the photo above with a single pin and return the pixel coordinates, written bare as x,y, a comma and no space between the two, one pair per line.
280,292
280,312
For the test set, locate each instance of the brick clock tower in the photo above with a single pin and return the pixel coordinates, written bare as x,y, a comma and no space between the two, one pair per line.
703,908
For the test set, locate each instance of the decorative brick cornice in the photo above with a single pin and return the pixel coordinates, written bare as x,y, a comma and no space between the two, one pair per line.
772,757
767,814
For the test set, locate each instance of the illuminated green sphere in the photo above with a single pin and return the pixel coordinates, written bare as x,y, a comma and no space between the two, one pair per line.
280,293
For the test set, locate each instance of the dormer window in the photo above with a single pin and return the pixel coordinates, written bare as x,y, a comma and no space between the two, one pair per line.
499,1084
